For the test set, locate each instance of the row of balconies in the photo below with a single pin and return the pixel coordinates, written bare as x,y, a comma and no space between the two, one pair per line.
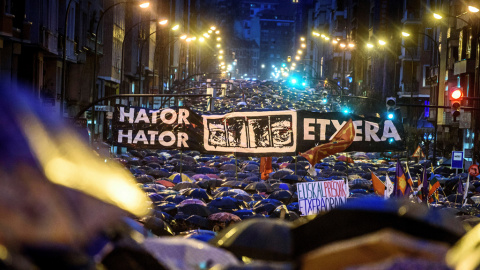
7,29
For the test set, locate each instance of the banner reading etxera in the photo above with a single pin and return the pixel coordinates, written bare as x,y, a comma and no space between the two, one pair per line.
256,133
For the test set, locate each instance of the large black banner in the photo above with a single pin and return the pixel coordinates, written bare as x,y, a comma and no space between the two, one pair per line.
255,133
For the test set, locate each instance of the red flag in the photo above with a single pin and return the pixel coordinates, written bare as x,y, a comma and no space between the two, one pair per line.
339,143
265,167
378,185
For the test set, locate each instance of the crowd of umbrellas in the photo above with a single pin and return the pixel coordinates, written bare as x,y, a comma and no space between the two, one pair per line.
222,201
64,207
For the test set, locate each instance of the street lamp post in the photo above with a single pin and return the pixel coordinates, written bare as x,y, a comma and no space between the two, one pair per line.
93,91
437,16
64,59
122,67
437,55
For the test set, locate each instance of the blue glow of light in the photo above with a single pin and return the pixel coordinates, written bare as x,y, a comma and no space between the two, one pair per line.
324,100
390,116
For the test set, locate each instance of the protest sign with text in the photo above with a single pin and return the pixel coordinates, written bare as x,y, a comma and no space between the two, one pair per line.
320,196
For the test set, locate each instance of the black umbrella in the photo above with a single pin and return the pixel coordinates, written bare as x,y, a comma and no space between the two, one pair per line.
199,222
284,196
371,214
158,173
292,179
227,204
258,187
242,197
175,198
287,214
184,185
210,183
145,178
205,170
194,209
263,239
198,193
252,179
282,173
228,193
157,226
234,184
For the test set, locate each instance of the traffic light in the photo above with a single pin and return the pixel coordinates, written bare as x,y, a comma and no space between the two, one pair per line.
456,97
289,59
324,96
391,102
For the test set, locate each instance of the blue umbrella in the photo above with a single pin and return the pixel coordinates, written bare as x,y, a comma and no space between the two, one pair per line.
227,204
201,235
243,213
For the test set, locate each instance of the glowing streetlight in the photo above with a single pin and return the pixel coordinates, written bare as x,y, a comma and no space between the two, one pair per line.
218,45
145,5
217,32
176,27
210,31
183,36
220,57
473,9
334,41
381,42
343,45
163,22
303,45
369,45
437,16
302,38
201,39
326,38
405,34
206,35
213,28
297,57
299,51
219,38
351,45
220,52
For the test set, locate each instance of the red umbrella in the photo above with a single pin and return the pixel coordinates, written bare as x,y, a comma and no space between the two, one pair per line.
224,217
345,159
165,183
213,176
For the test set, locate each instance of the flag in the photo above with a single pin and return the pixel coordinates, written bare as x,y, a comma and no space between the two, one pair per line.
460,189
388,186
434,185
378,185
409,177
402,188
425,184
341,141
466,191
265,167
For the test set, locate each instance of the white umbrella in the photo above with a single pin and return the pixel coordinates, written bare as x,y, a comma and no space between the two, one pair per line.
180,253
